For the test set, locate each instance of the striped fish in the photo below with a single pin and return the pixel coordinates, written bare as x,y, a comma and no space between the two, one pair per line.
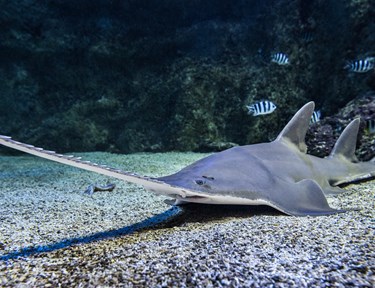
361,66
261,108
280,58
307,36
315,117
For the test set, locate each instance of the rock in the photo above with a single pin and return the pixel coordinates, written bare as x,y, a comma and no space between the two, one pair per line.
322,136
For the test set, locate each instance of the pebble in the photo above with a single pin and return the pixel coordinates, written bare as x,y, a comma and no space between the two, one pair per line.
53,235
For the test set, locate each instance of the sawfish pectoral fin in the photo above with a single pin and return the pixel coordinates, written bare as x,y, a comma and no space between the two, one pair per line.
304,198
333,190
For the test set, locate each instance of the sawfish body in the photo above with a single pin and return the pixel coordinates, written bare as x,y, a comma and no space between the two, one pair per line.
279,174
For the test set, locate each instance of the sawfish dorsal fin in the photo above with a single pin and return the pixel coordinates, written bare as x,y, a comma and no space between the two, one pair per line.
295,131
346,144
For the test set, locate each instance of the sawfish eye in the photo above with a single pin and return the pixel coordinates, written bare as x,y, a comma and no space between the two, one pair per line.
200,182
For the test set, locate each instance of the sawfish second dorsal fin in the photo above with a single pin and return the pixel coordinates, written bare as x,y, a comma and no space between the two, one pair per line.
295,131
346,144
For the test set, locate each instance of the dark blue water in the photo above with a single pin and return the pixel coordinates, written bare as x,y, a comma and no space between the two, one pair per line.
126,76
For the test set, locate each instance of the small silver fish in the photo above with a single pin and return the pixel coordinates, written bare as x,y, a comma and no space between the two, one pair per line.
280,58
261,108
370,125
94,188
315,117
361,66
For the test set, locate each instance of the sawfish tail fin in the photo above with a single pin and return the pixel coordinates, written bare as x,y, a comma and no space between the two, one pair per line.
346,144
295,131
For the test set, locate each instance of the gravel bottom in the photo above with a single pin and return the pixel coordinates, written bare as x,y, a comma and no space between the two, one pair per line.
52,234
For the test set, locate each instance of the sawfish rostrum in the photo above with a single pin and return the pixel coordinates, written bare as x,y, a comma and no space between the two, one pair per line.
279,174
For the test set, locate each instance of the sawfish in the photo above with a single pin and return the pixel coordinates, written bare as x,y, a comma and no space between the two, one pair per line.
279,174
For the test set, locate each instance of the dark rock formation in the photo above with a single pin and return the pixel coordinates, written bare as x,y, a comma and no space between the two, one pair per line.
322,135
128,76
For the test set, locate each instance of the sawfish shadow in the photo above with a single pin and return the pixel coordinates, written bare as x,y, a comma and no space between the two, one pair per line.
174,216
201,213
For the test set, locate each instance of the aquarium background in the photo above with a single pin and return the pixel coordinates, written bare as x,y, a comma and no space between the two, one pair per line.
141,75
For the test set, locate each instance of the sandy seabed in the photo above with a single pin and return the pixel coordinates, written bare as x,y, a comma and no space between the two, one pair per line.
52,234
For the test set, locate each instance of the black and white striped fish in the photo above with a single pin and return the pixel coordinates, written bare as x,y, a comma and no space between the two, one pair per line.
307,36
361,66
261,108
280,58
315,117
